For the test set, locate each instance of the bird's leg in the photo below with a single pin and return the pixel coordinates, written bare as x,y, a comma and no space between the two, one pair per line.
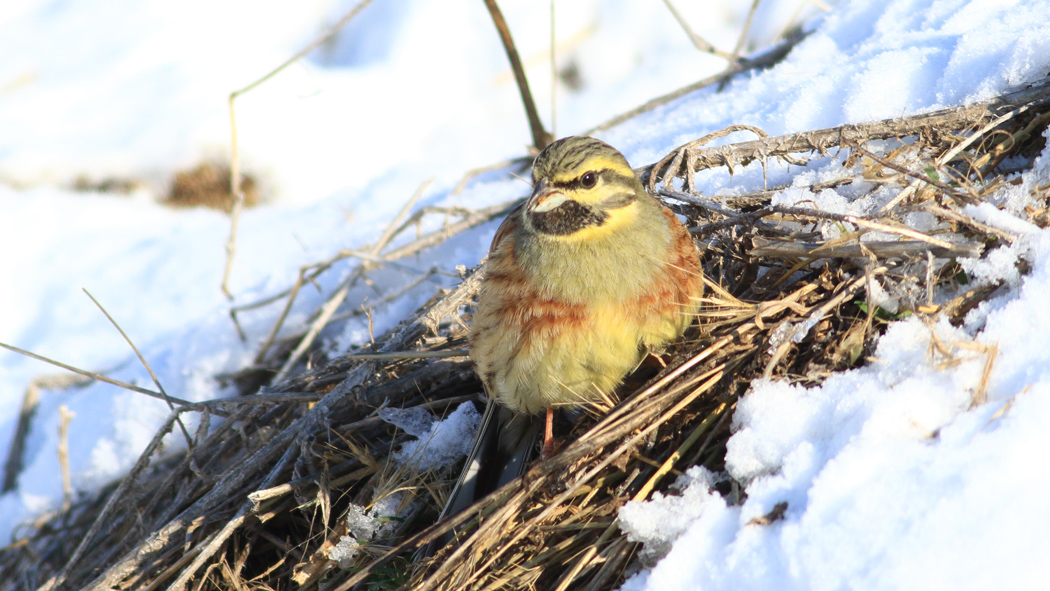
548,436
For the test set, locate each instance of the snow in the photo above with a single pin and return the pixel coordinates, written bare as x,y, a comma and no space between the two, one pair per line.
892,477
445,442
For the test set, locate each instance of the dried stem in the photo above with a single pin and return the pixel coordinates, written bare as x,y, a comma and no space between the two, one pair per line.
540,138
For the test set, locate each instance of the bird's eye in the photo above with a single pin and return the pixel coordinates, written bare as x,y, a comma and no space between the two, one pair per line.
589,179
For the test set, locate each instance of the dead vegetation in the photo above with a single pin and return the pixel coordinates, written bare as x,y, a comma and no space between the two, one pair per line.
274,481
208,185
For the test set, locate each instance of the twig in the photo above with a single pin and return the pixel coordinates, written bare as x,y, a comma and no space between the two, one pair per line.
156,380
698,42
410,354
65,416
821,140
540,138
924,179
235,161
859,221
969,221
765,247
475,218
743,33
96,376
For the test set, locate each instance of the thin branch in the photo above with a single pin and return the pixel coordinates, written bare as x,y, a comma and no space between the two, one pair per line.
698,42
764,247
894,166
410,354
156,380
743,33
96,376
822,140
540,138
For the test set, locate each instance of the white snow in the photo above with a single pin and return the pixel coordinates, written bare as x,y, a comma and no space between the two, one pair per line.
891,479
365,524
445,442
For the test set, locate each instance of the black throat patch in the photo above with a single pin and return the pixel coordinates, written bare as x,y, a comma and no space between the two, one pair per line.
567,218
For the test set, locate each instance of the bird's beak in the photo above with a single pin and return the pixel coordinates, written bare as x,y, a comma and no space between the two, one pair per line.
544,198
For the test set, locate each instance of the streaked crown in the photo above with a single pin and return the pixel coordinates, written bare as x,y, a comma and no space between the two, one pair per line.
578,183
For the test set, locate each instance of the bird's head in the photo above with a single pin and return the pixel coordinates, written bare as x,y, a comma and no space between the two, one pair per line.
582,188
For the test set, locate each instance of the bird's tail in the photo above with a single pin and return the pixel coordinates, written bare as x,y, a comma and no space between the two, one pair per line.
505,443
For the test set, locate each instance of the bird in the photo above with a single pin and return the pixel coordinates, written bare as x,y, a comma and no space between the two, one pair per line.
582,282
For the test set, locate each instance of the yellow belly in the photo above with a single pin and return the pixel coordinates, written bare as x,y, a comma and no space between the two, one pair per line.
571,364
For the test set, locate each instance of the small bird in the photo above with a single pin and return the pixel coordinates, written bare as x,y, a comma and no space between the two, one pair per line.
582,282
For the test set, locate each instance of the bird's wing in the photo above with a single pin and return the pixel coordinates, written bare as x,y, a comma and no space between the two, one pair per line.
508,227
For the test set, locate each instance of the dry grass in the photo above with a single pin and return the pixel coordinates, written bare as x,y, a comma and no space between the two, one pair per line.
265,493
208,185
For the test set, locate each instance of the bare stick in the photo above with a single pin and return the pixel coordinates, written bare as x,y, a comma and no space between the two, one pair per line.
96,376
743,33
554,80
235,161
238,198
698,42
156,380
763,247
540,138
735,58
969,221
821,140
65,416
411,354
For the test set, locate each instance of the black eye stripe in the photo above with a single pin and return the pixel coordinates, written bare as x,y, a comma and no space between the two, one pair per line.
609,176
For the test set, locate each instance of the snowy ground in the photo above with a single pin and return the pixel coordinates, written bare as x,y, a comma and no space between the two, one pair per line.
891,480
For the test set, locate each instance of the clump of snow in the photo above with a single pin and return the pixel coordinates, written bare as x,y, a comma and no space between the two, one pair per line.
415,421
445,442
658,523
997,265
344,551
364,525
